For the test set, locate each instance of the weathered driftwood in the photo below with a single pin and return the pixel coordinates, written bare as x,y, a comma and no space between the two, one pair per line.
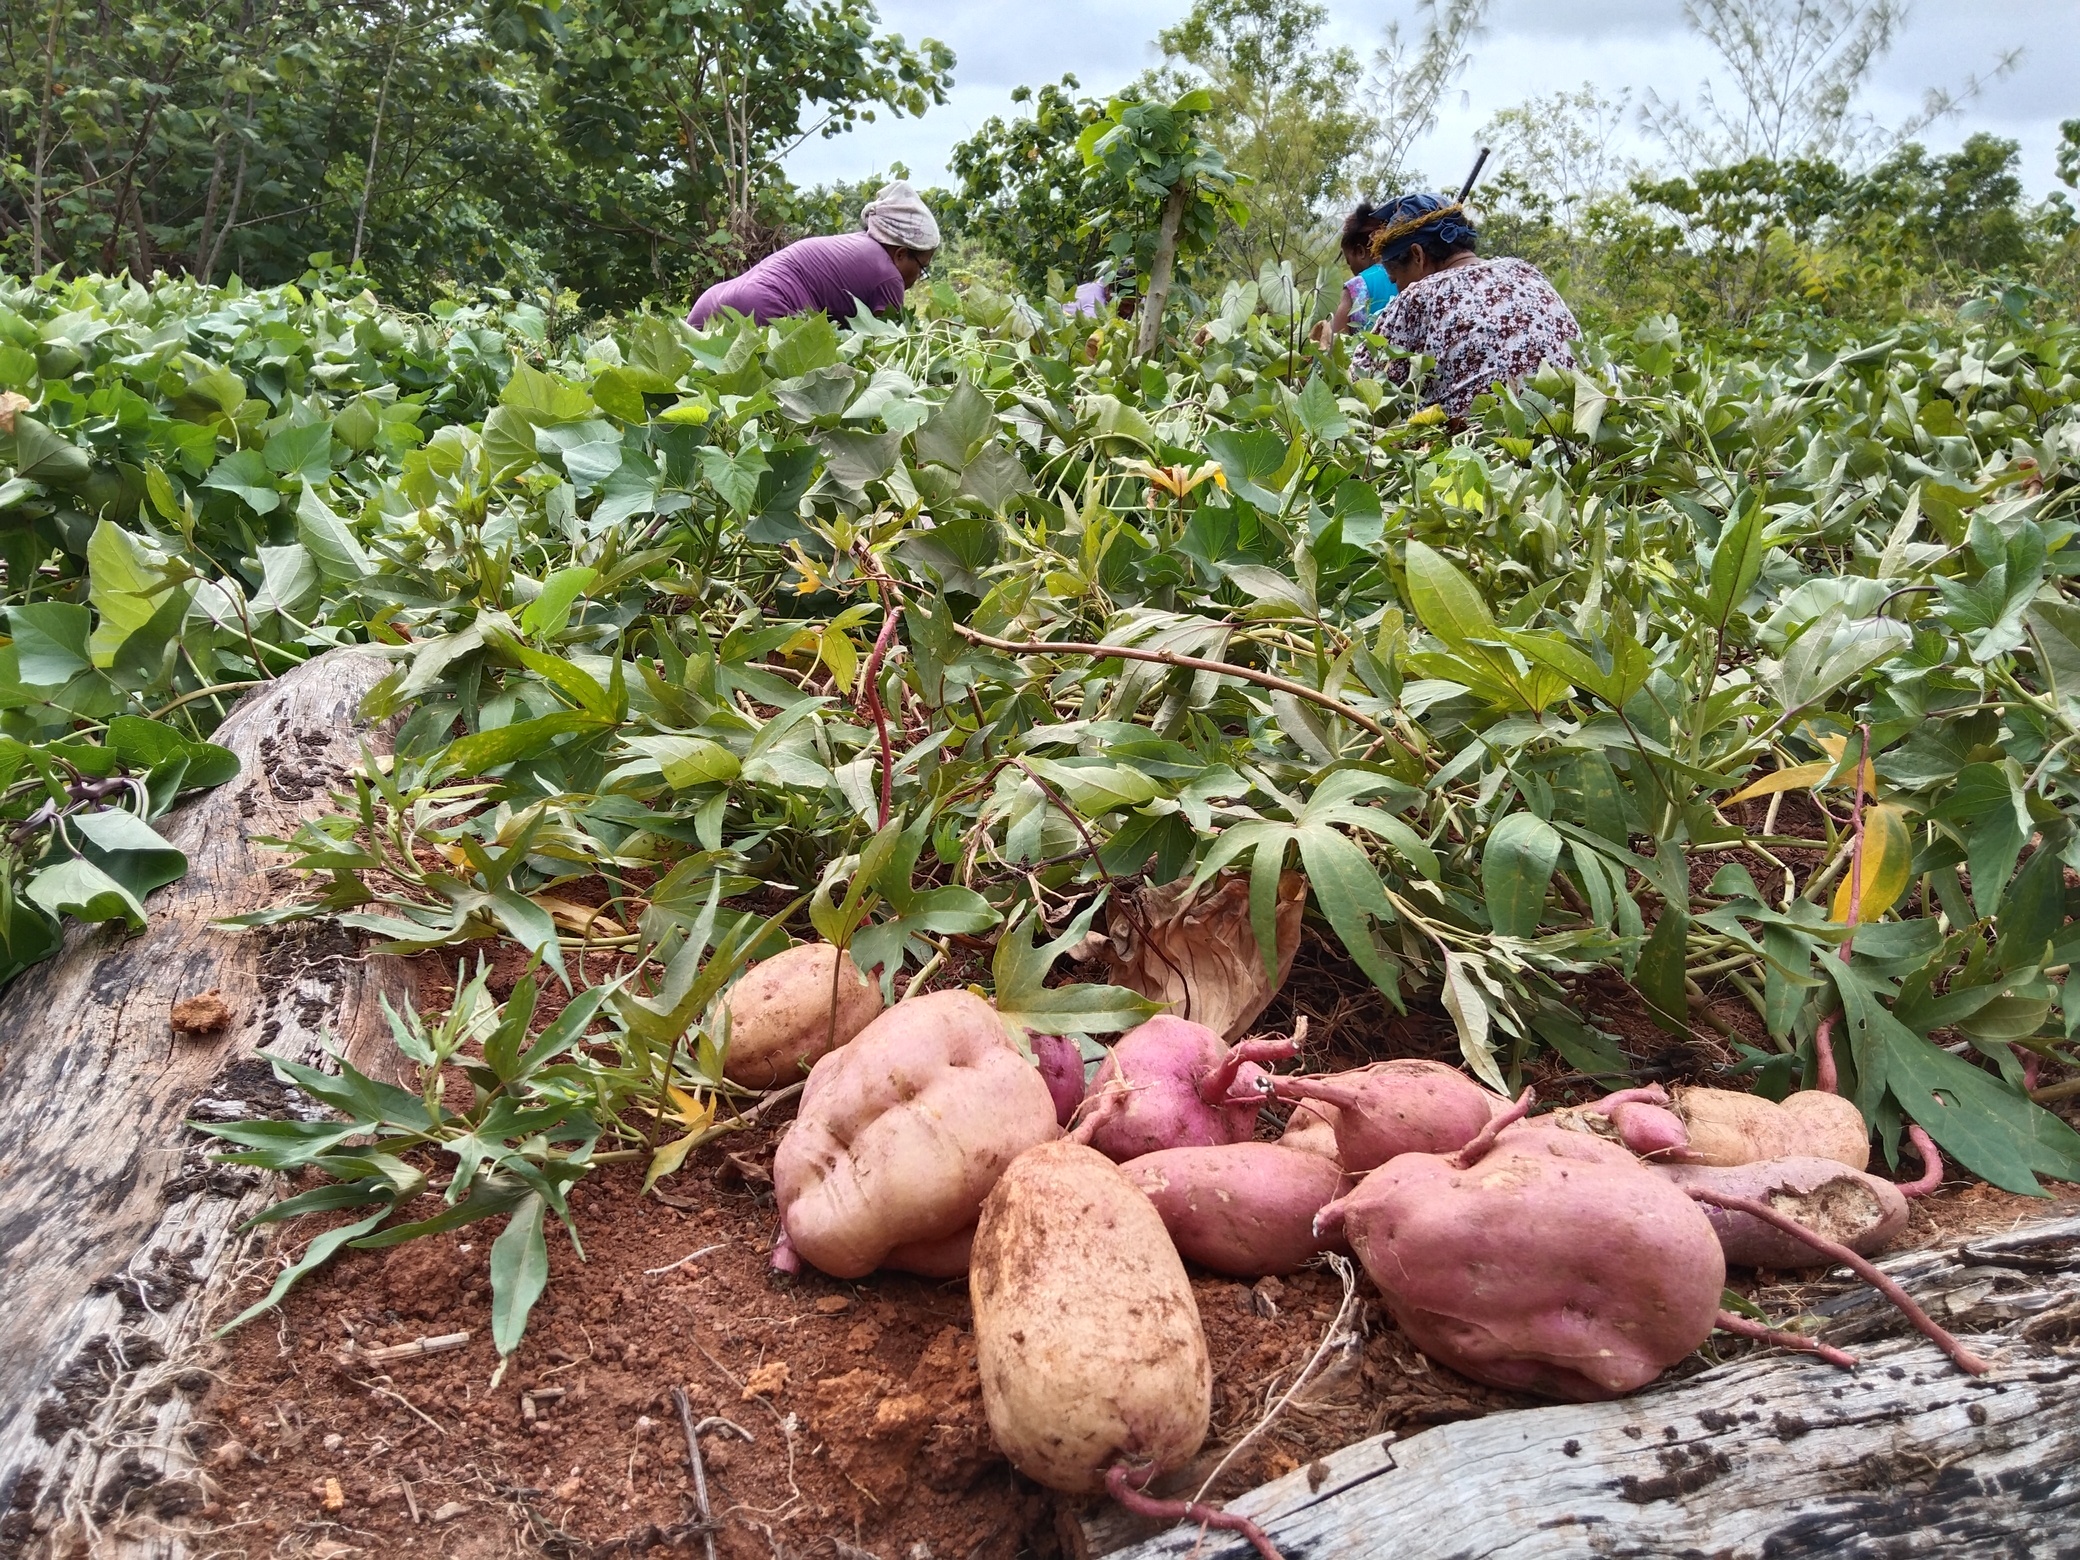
116,1234
1769,1455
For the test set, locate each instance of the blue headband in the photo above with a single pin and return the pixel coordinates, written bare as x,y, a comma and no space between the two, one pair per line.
1403,225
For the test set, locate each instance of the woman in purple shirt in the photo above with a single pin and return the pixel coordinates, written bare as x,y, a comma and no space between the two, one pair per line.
836,273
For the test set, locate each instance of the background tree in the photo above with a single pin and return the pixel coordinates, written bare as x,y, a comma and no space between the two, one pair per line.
1796,69
676,119
1167,193
1287,113
1024,189
630,149
1409,78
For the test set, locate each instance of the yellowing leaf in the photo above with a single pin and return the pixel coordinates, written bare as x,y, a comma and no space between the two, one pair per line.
1803,777
838,654
579,920
690,1112
1888,854
1799,777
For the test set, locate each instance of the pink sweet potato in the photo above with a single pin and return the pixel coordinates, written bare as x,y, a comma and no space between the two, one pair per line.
1557,1264
1061,1066
902,1133
1861,1211
947,1258
1188,1088
1243,1209
1397,1107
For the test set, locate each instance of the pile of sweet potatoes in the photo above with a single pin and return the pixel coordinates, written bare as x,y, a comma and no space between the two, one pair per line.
1576,1254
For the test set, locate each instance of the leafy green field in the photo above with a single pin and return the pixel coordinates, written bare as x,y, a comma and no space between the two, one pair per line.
833,613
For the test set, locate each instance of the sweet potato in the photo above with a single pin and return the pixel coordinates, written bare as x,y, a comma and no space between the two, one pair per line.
1189,1088
1243,1209
902,1133
947,1258
1061,1066
1829,1127
1726,1127
1861,1211
780,1013
1397,1107
1311,1127
1086,1332
1556,1264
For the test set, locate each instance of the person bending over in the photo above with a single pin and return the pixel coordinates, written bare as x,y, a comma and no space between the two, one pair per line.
1485,322
836,272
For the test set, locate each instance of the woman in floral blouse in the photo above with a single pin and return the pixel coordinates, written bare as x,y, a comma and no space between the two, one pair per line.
1485,322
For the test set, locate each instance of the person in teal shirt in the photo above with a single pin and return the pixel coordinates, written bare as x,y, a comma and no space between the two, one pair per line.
1369,290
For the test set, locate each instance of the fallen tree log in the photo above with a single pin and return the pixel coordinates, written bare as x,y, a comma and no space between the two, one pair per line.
116,1233
1771,1454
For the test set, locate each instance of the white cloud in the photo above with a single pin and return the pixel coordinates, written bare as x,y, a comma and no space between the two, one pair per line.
1531,47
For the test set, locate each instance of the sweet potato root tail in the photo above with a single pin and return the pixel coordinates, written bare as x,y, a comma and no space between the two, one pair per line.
1743,1327
1473,1153
1118,1484
1097,1109
1650,1094
1213,1088
1931,1175
1827,1077
1927,1325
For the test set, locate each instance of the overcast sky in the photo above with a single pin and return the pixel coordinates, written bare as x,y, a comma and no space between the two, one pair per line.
1531,47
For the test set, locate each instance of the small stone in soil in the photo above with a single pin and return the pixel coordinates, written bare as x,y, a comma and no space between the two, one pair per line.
449,1512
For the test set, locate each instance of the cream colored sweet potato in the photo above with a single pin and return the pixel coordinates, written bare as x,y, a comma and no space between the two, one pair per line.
1859,1210
902,1133
1086,1332
1726,1127
1311,1127
1828,1126
1243,1209
780,1014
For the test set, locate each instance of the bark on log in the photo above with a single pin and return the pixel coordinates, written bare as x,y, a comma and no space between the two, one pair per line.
116,1234
1772,1454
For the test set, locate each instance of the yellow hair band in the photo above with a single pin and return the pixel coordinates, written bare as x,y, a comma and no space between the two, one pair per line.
1414,224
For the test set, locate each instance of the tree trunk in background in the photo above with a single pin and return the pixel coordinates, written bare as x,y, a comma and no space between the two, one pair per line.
1158,296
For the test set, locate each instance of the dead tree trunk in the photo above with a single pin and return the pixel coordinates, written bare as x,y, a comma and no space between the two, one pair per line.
113,1225
1772,1454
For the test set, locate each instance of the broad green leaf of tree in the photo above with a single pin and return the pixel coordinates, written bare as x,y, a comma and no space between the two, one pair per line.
1516,870
519,1273
1736,563
304,453
1659,973
1029,1006
1342,877
1446,603
50,642
244,474
331,544
1986,808
1467,1004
